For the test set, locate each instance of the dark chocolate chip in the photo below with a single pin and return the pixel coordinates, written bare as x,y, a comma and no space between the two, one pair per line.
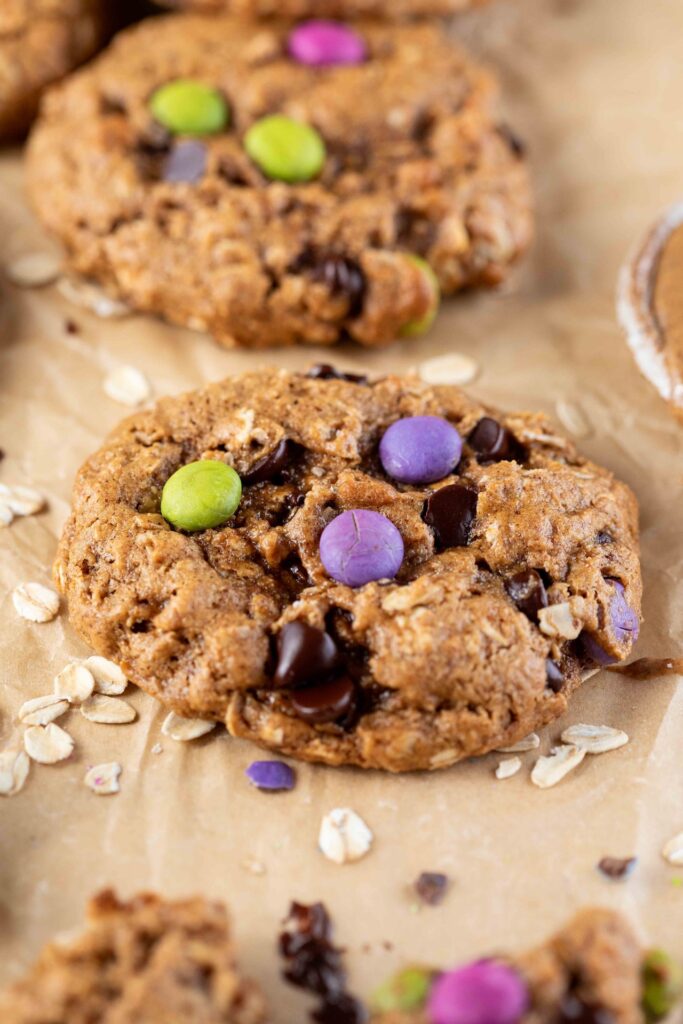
450,512
71,327
431,887
295,567
340,274
304,654
415,232
492,442
573,1010
604,538
186,162
313,963
527,590
554,676
325,702
517,145
617,867
340,1008
273,464
325,371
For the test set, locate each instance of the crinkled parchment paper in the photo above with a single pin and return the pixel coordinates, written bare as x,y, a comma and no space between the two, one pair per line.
596,86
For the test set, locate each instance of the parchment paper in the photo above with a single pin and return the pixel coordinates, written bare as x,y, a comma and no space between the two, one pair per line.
596,86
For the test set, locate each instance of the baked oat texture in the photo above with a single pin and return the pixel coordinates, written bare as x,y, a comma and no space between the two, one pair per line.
40,42
447,666
595,958
391,9
417,163
145,961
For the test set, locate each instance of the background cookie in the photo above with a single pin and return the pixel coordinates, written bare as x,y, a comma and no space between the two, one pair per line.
445,619
145,960
394,9
40,41
270,232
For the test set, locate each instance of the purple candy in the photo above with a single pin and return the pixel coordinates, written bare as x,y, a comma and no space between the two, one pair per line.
324,43
360,546
272,775
420,449
481,993
186,162
624,621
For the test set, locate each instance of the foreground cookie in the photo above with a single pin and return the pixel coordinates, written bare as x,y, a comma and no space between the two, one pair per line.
276,185
650,305
394,9
591,972
383,574
40,41
145,961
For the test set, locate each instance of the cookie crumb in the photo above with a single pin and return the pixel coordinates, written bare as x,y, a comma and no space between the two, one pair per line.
431,887
344,836
35,602
103,779
157,748
253,866
617,867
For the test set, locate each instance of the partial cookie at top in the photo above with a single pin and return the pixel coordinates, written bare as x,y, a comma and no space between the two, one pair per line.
650,306
394,10
513,573
191,226
40,42
142,961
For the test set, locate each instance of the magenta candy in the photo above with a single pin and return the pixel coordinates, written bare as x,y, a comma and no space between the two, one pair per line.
320,43
486,992
360,546
625,623
420,449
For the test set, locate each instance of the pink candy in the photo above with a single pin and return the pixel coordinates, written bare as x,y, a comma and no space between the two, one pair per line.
486,992
325,43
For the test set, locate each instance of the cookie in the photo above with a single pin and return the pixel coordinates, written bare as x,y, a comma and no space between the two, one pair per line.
333,594
592,971
386,9
215,173
650,306
40,42
145,961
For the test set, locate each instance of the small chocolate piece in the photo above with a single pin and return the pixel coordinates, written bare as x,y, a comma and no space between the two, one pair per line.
450,512
617,867
325,371
603,537
517,145
573,1010
273,464
554,676
527,590
71,327
340,1008
340,274
326,702
304,654
493,442
431,887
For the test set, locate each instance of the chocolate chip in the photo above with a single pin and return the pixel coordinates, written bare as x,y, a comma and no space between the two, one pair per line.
517,145
554,676
415,232
325,371
304,654
273,464
185,163
340,274
574,1010
527,590
493,442
617,867
431,887
450,512
295,567
325,702
604,538
71,327
340,1009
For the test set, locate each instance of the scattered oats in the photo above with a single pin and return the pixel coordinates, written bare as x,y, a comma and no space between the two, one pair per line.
14,768
558,621
103,779
47,744
508,767
344,836
35,602
548,771
43,710
109,678
22,501
573,418
595,739
75,683
530,742
185,729
127,385
6,514
157,748
673,850
454,368
89,296
254,867
34,269
108,710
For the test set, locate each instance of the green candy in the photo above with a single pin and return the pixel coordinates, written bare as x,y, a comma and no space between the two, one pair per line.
284,149
407,990
417,327
201,495
188,107
662,985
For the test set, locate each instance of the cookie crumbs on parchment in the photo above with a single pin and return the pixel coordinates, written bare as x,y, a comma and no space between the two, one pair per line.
617,867
253,866
432,887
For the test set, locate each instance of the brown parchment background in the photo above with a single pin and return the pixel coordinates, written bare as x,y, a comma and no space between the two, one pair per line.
596,86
